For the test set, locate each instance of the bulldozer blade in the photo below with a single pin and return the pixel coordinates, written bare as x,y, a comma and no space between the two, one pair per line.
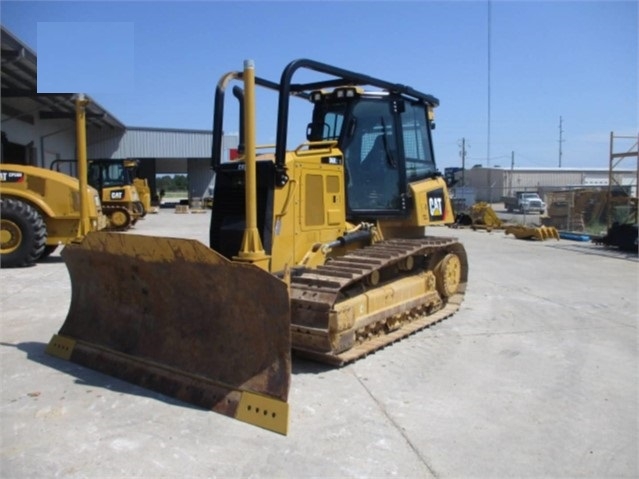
176,317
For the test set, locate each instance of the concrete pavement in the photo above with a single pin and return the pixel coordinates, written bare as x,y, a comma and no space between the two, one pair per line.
535,376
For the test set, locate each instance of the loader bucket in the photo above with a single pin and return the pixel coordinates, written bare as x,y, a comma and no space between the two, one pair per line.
176,317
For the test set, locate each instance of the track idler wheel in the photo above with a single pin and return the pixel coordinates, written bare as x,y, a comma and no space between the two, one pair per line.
448,275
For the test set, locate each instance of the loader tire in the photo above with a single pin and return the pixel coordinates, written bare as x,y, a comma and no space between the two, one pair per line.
48,251
23,234
120,218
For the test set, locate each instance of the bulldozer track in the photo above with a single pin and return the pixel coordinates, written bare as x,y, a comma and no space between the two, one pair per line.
314,294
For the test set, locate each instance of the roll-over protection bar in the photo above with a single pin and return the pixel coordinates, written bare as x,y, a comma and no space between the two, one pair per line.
286,89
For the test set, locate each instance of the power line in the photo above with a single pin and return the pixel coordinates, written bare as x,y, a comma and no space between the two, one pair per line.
462,153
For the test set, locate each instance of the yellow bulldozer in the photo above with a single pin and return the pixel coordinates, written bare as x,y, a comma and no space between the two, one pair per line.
41,209
318,249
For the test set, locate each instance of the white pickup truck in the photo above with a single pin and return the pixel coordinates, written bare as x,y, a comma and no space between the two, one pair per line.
525,202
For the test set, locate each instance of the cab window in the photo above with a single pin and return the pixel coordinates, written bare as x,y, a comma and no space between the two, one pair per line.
417,147
332,125
370,150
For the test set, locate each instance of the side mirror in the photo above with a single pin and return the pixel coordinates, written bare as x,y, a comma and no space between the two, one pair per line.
309,132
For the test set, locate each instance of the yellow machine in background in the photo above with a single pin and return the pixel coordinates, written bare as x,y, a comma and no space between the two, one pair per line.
141,185
320,249
120,199
41,209
539,233
480,216
125,198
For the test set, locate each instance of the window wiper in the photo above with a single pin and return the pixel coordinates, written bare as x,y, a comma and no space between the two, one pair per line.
389,157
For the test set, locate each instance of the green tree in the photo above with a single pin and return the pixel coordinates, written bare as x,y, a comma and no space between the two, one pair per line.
172,183
180,183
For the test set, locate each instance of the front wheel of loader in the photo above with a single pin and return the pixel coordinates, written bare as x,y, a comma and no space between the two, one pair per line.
119,218
48,251
448,275
23,233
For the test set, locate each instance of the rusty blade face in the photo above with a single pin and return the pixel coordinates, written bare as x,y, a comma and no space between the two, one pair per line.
174,316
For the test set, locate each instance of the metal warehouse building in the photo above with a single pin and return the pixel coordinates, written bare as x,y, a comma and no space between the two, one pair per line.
165,151
38,129
492,184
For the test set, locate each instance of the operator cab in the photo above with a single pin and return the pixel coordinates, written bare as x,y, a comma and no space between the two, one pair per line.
386,142
108,174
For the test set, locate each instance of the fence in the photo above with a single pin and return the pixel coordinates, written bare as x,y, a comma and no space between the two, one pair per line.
571,208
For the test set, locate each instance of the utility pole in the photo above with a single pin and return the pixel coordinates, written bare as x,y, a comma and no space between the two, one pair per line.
512,172
489,68
462,153
561,140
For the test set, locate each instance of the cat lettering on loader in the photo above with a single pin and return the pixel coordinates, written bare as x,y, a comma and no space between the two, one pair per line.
319,250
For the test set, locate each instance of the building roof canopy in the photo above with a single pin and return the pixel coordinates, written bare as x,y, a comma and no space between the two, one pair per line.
20,97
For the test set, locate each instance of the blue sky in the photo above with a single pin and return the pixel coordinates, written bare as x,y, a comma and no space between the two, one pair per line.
156,63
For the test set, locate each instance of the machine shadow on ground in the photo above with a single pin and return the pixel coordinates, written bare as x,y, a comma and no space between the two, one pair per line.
35,351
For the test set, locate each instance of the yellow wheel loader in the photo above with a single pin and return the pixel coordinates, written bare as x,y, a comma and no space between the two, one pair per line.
319,248
41,209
